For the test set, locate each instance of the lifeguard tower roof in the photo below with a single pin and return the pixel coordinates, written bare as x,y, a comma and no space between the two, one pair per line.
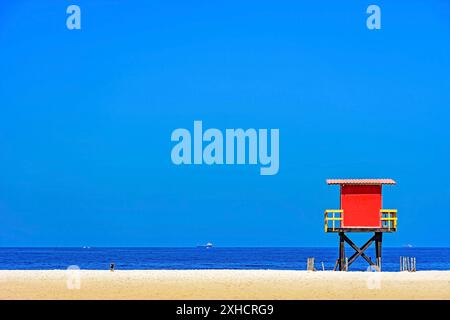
374,182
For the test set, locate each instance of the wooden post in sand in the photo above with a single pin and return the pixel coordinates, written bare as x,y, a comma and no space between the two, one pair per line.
408,264
336,265
310,264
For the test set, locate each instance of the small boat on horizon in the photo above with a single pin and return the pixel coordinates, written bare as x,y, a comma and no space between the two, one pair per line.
209,245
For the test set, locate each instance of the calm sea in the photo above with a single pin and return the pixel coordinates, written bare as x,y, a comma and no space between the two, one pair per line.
214,258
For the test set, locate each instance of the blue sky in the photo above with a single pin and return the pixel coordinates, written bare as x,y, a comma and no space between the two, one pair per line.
86,117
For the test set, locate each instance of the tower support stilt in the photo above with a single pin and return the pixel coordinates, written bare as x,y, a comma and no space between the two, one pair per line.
343,264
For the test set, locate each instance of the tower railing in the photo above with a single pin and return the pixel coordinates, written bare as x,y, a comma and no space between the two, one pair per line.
333,219
389,219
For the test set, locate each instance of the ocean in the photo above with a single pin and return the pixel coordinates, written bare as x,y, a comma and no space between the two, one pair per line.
213,258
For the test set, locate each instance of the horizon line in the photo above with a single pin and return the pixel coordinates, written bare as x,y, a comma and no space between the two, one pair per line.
197,246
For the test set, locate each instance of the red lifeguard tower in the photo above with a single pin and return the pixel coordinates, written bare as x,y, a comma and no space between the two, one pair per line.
360,211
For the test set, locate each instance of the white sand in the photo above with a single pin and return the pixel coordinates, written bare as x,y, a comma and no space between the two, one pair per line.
223,284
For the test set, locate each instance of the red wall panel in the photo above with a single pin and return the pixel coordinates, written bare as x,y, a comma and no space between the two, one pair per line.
361,205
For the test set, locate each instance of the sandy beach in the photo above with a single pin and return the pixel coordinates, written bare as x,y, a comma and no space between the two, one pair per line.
222,284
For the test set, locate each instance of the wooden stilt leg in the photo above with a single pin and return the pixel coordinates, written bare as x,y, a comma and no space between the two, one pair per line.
378,243
341,251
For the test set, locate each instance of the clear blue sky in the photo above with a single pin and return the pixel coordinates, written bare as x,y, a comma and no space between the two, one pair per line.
86,118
